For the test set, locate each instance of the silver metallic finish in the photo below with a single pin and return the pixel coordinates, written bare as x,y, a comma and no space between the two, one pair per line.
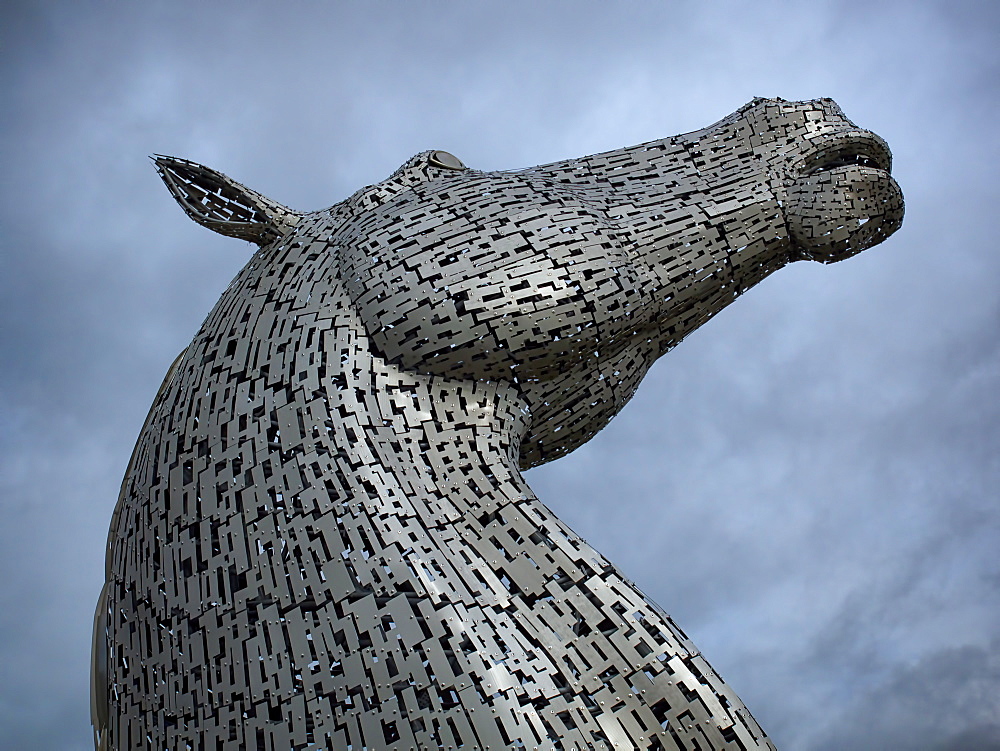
324,539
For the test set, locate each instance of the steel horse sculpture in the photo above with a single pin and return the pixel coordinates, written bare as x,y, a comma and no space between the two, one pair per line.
324,539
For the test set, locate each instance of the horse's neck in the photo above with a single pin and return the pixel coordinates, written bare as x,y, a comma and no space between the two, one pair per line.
382,515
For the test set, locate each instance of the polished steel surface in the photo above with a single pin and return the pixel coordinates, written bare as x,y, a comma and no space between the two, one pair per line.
324,539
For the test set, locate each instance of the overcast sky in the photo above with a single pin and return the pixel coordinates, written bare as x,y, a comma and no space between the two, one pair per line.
810,484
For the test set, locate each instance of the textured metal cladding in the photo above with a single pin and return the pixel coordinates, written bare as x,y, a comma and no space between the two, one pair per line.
324,539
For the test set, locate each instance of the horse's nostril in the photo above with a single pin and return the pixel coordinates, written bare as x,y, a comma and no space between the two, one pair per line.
843,149
843,161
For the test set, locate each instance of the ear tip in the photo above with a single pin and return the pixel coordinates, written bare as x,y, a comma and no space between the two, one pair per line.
221,204
165,162
171,167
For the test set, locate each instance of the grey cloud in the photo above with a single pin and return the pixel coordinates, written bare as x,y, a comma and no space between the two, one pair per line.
947,701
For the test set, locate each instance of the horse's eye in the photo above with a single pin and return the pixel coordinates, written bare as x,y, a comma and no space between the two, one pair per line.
446,160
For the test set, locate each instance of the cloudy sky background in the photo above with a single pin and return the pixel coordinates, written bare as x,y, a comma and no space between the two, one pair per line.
809,485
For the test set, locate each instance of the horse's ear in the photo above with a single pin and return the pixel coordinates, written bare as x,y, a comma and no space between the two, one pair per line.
222,204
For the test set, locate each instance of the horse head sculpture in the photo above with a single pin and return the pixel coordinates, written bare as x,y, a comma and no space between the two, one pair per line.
324,538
